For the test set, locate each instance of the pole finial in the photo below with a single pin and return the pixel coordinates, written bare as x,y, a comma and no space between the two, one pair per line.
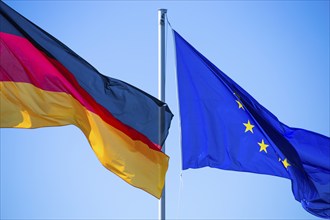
161,14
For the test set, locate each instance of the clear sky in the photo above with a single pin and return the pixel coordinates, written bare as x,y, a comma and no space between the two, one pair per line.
278,51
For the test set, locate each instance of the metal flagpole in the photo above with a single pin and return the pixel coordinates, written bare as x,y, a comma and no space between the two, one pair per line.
161,91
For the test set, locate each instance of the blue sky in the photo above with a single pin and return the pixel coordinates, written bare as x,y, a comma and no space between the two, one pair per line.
277,51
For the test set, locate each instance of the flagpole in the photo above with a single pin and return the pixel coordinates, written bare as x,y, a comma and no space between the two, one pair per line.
161,91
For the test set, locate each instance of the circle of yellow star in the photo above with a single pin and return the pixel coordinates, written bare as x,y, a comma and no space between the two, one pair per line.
286,163
240,104
263,146
248,126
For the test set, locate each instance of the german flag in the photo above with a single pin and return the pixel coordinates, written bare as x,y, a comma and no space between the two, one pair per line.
44,83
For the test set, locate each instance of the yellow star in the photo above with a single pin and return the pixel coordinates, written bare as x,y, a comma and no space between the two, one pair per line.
248,126
240,104
263,146
286,163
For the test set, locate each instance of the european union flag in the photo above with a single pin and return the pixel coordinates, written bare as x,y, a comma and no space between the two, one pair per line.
224,127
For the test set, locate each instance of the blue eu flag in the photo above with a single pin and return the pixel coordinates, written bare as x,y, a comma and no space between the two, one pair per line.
224,127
